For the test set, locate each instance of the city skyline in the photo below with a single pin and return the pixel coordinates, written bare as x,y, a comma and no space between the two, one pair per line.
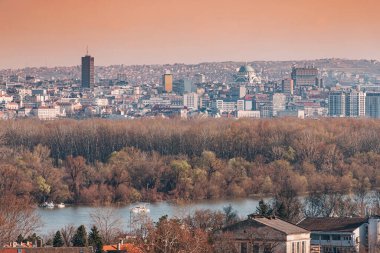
52,33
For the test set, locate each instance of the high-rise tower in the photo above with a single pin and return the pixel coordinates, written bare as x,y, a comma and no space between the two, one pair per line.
167,81
88,73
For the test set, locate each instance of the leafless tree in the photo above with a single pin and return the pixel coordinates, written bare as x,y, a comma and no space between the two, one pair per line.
67,233
108,222
16,217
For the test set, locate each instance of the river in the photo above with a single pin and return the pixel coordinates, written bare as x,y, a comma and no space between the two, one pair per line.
55,219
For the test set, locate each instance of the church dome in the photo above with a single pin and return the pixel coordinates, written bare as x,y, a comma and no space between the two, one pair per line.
246,68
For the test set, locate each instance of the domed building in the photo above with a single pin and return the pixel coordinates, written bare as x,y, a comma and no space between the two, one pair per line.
246,74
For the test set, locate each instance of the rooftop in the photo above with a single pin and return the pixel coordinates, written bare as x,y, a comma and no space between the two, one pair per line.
332,224
270,221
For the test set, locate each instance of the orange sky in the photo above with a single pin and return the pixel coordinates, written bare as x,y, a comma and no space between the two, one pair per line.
56,32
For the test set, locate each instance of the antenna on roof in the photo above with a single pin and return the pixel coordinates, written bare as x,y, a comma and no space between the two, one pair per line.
87,50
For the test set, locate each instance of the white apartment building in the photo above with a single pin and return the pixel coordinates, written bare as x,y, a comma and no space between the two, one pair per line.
229,106
248,114
191,101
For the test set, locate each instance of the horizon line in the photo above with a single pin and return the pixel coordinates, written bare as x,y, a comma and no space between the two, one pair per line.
204,62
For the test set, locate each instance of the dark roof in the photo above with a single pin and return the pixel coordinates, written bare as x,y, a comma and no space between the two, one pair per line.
273,222
332,224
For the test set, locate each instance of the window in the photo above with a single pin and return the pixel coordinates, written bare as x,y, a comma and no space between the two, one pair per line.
335,237
256,248
243,247
303,247
315,237
267,248
347,238
325,237
293,248
298,247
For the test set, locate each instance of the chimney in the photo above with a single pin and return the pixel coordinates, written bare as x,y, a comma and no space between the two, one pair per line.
118,246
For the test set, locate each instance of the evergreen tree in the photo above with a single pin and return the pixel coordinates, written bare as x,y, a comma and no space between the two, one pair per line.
58,240
230,214
20,238
95,240
264,208
80,237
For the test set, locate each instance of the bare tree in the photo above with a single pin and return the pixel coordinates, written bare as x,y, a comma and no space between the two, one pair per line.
108,222
67,233
16,217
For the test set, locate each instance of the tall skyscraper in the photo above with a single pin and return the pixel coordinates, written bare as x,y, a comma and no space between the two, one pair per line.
167,81
88,71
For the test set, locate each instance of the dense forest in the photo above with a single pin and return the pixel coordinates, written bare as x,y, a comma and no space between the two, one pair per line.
103,161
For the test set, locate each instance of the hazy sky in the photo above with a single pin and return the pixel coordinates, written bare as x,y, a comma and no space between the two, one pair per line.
56,32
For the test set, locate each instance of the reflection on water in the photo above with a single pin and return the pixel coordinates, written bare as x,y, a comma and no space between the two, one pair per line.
54,219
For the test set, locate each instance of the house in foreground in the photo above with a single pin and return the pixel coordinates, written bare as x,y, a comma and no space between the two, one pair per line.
121,248
344,235
268,234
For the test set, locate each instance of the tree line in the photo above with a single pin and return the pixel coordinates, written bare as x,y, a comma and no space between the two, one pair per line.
104,162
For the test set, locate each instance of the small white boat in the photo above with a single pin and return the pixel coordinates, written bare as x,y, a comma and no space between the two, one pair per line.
61,205
49,205
140,209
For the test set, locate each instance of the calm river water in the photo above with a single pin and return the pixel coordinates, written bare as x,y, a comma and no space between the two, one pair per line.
54,219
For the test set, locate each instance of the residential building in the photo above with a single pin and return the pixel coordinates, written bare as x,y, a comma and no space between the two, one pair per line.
287,86
248,114
121,247
191,101
46,112
355,104
199,78
268,234
307,76
229,105
372,105
343,235
337,104
278,102
291,114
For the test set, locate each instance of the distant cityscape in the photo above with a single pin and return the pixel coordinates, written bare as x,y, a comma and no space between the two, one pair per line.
307,89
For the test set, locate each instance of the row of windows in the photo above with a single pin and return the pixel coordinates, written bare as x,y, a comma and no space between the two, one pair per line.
299,247
328,237
267,248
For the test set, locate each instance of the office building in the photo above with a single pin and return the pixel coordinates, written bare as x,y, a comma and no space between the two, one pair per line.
88,72
183,86
167,82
